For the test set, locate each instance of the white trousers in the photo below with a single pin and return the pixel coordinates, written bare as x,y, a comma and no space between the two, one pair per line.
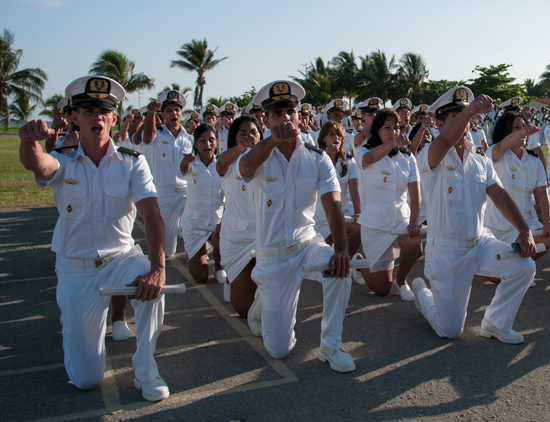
171,208
451,270
84,314
279,280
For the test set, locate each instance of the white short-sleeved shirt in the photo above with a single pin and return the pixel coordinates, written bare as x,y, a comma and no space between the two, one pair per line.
222,139
96,204
387,190
285,192
307,138
204,205
164,154
455,192
477,136
239,218
533,141
520,177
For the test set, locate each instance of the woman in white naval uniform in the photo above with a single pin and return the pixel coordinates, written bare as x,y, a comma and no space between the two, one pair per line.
522,175
389,172
331,139
204,205
238,230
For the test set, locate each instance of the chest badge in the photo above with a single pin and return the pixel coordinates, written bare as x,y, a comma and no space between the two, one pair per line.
385,179
71,181
238,178
450,190
270,179
69,208
194,174
269,203
513,169
451,168
165,142
385,172
243,187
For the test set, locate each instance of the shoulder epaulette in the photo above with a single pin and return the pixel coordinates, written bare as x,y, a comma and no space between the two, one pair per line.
405,150
313,148
128,151
61,149
349,156
480,151
530,151
367,145
349,131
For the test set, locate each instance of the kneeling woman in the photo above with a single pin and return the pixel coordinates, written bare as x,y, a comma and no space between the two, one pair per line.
238,232
389,172
522,175
331,139
204,204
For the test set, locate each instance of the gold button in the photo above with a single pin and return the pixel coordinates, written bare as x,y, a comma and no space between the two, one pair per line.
450,190
269,203
243,187
69,208
194,182
385,179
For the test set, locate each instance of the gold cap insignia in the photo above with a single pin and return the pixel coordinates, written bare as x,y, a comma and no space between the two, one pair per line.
135,111
338,103
269,203
305,107
373,101
358,113
69,208
194,116
515,101
270,179
172,95
281,88
229,107
194,174
209,107
98,85
450,190
423,108
385,172
403,102
70,181
243,187
451,168
461,95
385,179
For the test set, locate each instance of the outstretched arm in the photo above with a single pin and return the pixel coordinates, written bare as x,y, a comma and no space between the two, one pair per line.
32,156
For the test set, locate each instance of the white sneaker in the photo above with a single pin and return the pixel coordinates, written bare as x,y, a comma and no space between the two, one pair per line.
227,292
339,360
153,391
356,274
221,276
417,284
489,330
255,315
121,331
406,293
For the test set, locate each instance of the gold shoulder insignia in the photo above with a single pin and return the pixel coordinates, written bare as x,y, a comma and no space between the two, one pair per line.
270,179
386,173
71,181
451,168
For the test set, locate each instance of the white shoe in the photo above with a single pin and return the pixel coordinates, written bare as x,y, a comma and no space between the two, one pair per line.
255,315
489,330
394,291
356,274
120,331
221,276
339,360
227,292
417,284
153,391
533,284
406,293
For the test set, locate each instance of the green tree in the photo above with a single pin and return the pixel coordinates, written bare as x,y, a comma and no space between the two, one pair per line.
377,77
21,110
496,82
196,57
217,101
318,80
545,79
435,89
14,83
117,66
50,104
346,83
175,87
243,100
410,76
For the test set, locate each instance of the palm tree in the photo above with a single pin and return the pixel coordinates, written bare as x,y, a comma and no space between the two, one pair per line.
346,82
196,57
545,78
50,104
176,87
533,89
318,81
410,77
21,110
378,78
25,83
117,66
218,102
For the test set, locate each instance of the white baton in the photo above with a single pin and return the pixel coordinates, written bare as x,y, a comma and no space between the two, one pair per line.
252,253
423,230
206,228
131,290
349,219
354,263
507,255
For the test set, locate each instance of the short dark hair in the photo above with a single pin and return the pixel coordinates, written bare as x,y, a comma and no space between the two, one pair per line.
236,125
504,125
378,122
204,127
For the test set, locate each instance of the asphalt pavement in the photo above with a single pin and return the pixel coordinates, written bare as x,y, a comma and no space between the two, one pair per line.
218,371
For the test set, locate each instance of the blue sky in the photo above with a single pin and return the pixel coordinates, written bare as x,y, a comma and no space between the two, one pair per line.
269,40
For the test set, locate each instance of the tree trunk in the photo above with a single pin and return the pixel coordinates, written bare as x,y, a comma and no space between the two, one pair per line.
7,111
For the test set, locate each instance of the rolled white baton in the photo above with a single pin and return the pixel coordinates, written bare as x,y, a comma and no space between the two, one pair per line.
507,255
354,263
423,230
538,232
252,253
206,228
349,219
131,290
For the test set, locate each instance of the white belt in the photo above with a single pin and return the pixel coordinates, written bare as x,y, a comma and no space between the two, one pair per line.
453,243
291,250
177,189
91,263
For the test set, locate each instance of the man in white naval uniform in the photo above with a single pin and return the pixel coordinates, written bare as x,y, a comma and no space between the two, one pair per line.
456,180
403,108
228,113
165,149
95,188
286,175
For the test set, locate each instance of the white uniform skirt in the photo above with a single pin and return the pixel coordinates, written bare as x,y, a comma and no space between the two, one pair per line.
380,247
510,236
193,239
235,256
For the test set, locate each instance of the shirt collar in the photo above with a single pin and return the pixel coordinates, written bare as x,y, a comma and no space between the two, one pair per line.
111,149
